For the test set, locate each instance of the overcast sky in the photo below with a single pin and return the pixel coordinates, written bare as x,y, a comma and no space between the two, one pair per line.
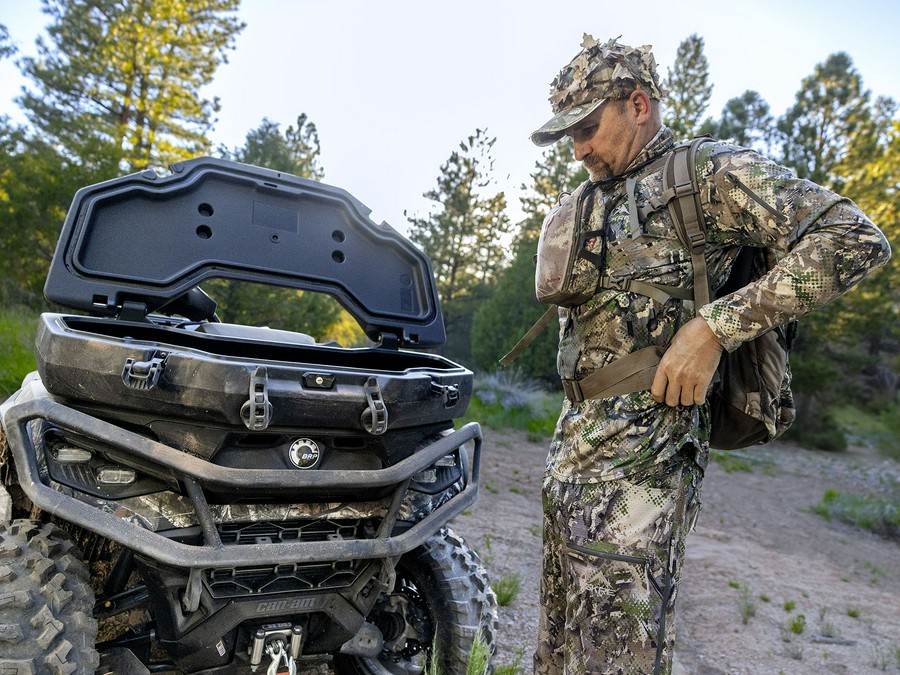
394,85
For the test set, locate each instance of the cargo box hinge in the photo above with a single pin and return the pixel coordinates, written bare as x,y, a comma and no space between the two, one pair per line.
257,411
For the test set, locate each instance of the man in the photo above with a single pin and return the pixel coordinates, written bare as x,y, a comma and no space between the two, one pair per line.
623,476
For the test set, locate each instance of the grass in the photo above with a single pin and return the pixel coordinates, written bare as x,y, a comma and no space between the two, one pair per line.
876,514
507,589
747,605
798,624
732,461
479,662
17,328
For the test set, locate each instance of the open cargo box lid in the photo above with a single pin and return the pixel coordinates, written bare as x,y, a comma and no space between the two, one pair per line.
137,244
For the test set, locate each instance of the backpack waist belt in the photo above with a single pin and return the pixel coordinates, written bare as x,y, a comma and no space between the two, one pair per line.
631,373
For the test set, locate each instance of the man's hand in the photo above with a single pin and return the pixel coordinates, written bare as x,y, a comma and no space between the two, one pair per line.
688,366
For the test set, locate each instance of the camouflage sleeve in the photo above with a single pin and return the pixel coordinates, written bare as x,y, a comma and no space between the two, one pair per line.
828,243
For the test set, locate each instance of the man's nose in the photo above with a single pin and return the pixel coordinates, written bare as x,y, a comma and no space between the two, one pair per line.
582,150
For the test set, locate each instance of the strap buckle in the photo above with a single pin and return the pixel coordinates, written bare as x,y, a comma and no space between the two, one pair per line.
572,388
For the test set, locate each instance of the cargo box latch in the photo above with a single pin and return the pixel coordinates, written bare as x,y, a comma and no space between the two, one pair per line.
257,411
374,419
144,374
448,392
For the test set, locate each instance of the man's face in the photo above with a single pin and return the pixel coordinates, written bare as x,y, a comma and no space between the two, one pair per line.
605,140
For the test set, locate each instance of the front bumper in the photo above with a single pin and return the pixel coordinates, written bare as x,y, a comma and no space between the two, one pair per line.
34,403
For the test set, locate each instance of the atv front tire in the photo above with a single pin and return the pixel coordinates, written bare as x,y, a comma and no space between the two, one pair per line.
46,603
442,601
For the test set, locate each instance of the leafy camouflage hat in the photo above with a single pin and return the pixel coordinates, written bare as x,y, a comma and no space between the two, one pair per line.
601,71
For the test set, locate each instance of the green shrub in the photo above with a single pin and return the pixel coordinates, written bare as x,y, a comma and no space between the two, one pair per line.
823,433
876,514
874,428
506,400
798,624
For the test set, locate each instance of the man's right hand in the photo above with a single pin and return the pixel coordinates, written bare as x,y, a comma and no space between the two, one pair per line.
688,366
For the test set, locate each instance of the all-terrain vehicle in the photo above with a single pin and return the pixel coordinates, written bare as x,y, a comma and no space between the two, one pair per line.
224,498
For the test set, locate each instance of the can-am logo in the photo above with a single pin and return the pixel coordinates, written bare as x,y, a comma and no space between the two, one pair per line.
305,453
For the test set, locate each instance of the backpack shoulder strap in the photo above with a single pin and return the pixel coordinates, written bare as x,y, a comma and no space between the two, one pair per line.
681,195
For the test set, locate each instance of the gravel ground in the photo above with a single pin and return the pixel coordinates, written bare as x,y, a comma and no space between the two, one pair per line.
758,560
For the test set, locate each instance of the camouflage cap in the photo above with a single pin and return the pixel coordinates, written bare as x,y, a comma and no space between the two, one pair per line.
601,71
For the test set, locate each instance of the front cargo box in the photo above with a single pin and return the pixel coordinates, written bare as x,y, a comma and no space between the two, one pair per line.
133,253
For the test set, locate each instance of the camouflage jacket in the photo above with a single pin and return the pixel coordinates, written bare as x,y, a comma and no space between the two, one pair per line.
827,245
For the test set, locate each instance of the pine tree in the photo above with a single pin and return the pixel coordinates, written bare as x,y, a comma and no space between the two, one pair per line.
7,48
746,121
117,88
689,89
466,237
834,136
296,152
830,112
119,82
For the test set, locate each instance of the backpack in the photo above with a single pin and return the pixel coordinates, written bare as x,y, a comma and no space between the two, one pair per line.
750,400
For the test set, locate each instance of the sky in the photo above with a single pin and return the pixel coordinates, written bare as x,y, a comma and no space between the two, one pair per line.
393,86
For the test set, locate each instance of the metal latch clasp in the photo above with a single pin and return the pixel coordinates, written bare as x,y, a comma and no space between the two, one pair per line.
449,392
374,418
257,411
144,374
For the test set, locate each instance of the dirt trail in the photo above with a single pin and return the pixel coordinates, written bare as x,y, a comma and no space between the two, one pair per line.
758,553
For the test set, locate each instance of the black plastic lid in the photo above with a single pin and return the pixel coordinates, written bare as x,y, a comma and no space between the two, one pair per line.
142,242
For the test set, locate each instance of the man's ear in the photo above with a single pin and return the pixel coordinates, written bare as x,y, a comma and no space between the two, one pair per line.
639,106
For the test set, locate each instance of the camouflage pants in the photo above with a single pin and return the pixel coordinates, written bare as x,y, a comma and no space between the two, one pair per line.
612,561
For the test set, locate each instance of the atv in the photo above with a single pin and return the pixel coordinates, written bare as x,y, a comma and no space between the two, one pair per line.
185,495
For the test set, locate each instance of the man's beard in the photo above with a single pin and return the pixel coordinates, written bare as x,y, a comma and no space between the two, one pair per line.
597,168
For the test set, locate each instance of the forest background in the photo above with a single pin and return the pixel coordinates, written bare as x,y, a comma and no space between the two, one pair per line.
118,86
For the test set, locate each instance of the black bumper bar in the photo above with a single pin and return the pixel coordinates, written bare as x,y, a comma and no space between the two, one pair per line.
197,473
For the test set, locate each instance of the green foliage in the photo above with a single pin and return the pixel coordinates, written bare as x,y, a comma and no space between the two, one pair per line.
876,428
880,515
746,121
118,83
508,314
819,431
259,305
117,88
830,109
295,152
746,604
466,237
505,400
514,668
688,89
463,236
730,461
7,48
17,327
